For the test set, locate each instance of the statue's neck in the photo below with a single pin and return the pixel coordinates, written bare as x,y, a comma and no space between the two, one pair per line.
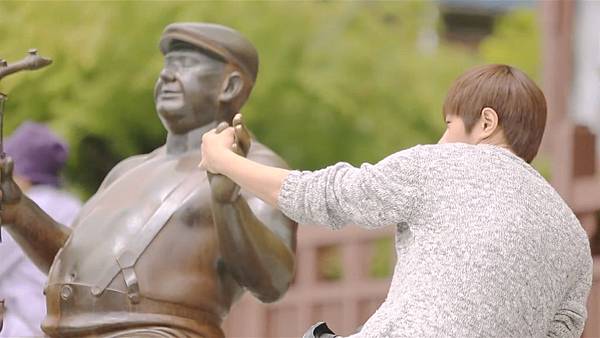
181,143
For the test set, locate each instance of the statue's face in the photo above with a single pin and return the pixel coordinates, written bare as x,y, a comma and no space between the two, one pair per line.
187,91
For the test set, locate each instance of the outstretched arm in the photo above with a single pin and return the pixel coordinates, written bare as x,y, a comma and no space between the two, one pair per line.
261,180
256,241
37,233
373,195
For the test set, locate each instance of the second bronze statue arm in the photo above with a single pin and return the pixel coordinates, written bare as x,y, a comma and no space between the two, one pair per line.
257,258
36,232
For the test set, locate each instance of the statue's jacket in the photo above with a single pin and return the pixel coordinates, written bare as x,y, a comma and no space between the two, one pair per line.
143,253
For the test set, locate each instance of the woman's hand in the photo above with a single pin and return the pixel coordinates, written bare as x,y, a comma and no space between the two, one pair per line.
220,142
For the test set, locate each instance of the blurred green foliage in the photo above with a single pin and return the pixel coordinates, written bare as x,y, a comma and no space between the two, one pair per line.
382,260
519,28
329,263
351,81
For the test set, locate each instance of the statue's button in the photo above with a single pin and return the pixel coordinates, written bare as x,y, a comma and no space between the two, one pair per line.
96,291
66,292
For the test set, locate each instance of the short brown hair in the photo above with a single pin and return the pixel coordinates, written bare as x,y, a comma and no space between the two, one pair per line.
519,103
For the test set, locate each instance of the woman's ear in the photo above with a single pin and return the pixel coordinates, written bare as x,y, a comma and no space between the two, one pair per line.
232,87
488,123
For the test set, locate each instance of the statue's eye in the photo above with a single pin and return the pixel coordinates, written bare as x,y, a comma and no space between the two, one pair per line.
188,62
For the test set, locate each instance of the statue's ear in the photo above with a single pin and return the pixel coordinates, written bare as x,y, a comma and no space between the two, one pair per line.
232,86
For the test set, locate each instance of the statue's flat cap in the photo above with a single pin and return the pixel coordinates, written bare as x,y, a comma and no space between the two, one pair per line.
223,41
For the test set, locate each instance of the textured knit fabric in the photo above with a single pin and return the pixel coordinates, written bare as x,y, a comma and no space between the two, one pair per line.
485,246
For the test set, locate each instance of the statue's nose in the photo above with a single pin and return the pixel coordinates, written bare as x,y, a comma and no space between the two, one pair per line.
167,75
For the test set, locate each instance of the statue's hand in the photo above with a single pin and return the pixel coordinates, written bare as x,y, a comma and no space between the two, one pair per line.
242,136
223,188
10,193
1,313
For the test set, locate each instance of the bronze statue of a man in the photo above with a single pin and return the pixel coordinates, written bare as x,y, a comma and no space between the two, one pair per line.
159,250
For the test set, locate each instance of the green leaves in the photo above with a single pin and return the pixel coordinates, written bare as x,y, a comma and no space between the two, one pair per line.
516,41
338,81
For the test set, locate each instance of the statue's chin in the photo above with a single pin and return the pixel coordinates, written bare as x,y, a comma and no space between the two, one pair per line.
168,108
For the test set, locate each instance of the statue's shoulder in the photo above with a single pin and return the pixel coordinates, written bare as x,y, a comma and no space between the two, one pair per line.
128,164
262,154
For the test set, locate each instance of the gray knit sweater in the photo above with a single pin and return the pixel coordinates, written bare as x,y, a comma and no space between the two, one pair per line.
485,246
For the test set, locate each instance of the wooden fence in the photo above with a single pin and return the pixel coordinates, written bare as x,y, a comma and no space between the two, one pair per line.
342,277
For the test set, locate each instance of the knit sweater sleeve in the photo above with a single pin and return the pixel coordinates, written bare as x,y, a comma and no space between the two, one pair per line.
370,196
569,319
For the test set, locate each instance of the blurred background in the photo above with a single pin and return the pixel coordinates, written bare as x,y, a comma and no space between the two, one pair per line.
338,81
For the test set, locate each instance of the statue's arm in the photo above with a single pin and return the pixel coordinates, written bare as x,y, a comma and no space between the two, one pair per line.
257,241
34,230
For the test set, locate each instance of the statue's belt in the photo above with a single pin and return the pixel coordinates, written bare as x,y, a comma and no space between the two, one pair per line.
73,311
137,244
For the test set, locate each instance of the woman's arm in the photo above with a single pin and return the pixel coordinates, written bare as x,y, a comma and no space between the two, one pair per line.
261,180
372,195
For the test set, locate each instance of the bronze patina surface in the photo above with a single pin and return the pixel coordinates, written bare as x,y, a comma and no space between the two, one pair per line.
161,249
1,314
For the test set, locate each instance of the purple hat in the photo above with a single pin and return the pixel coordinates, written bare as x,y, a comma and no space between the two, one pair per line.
38,153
